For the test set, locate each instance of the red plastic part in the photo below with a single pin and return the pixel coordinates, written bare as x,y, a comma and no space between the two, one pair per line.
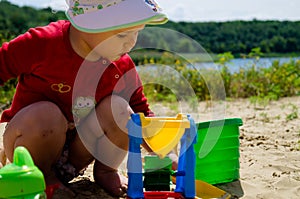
50,190
161,195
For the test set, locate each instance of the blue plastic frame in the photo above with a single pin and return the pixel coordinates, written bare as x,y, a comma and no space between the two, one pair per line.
187,160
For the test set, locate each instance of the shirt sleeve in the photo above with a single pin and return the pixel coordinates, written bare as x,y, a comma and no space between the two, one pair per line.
133,91
22,54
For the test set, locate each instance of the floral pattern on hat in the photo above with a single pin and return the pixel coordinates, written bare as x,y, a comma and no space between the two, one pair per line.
153,5
79,7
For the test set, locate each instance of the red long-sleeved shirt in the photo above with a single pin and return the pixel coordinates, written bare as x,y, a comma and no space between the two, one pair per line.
48,69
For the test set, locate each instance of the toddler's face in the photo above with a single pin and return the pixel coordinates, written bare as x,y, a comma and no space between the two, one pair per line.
113,44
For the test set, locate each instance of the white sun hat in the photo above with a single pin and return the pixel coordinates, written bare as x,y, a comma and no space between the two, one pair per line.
95,16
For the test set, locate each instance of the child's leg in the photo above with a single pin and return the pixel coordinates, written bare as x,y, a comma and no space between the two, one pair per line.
41,128
108,141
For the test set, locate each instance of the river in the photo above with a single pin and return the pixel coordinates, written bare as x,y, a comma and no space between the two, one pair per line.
235,65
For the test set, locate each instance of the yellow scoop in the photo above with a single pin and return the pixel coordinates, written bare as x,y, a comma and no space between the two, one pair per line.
205,190
162,134
208,191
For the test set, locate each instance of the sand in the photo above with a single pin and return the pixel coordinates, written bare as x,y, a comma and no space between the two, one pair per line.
269,150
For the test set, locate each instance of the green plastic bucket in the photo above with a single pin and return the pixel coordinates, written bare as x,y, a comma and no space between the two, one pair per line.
217,151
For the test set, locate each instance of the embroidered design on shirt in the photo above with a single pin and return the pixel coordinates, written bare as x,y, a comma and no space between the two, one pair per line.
61,88
83,106
85,6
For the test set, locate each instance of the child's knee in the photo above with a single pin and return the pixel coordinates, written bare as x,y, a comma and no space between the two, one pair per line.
114,111
39,116
41,122
114,102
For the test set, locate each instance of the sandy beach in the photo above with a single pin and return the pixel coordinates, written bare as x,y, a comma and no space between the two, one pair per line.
269,150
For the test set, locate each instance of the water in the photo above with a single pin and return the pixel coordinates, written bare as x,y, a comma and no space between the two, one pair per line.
235,65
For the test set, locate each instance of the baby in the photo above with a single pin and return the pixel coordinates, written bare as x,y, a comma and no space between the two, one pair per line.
77,87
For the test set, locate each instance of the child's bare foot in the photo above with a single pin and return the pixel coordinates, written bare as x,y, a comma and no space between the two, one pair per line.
110,180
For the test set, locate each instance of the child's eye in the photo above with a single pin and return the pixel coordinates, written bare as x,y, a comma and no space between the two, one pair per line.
121,35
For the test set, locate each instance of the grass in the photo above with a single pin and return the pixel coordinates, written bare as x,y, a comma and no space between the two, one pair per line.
294,113
259,85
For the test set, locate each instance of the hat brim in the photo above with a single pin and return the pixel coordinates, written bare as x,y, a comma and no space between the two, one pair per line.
123,15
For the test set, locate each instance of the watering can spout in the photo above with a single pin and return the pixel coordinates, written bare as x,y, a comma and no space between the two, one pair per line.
22,157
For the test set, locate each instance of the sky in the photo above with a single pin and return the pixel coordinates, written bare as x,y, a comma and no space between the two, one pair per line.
208,10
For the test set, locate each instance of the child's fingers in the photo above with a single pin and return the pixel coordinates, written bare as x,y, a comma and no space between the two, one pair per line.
2,158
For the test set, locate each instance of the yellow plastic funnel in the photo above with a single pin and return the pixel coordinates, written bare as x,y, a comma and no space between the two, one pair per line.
162,134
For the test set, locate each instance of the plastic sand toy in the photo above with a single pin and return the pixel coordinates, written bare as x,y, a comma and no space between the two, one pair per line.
22,179
158,172
162,134
217,151
205,190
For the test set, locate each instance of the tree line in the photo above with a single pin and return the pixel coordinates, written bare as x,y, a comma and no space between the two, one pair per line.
243,36
15,20
237,37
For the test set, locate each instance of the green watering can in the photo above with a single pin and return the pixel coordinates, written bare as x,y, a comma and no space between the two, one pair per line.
22,179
